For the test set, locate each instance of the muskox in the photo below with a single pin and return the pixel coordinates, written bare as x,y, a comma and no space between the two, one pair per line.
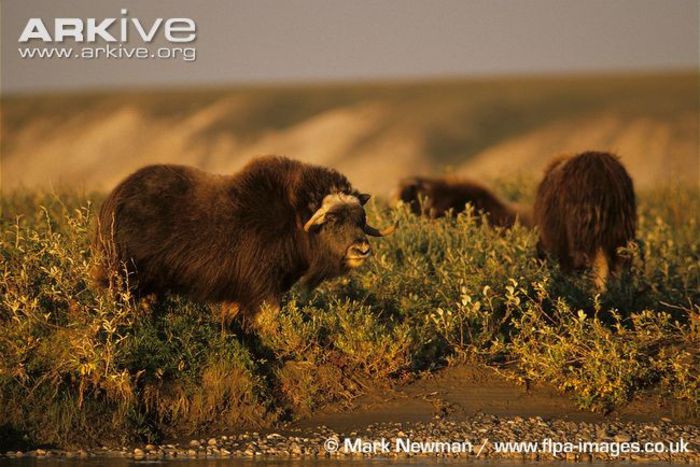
435,197
585,210
242,240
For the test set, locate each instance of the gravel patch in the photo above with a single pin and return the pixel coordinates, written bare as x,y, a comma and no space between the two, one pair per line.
481,437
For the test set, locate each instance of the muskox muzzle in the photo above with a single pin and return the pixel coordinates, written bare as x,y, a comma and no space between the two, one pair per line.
359,250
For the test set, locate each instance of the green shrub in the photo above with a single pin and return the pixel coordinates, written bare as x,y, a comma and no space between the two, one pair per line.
81,364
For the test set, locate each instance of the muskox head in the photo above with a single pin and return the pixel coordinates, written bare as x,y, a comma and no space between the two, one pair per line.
410,191
339,228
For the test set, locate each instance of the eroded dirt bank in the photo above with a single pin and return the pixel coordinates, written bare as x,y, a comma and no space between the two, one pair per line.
461,392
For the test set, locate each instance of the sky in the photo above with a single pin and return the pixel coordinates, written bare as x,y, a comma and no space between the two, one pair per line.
262,41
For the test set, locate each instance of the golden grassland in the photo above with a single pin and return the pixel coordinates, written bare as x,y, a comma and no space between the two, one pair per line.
81,365
373,133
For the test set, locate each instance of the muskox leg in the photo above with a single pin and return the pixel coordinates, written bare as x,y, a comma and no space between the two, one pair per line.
148,301
601,269
229,311
99,275
622,262
251,318
541,253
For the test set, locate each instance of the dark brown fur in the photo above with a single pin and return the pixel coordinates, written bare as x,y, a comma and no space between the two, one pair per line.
585,210
441,195
235,239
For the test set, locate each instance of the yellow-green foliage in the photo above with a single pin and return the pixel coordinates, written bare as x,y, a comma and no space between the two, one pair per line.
81,364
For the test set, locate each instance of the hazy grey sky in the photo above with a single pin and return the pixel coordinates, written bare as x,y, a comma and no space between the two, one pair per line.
315,40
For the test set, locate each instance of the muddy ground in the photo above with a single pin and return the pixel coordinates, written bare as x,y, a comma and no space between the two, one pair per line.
460,392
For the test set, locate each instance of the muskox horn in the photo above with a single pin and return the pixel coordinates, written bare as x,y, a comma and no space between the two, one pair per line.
369,230
319,217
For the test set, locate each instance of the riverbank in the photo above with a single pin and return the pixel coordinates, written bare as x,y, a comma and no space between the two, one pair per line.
483,437
463,412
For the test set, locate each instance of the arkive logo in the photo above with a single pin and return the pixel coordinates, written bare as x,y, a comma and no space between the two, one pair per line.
110,30
124,37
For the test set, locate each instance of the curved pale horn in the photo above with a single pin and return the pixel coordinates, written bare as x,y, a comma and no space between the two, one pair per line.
317,218
369,230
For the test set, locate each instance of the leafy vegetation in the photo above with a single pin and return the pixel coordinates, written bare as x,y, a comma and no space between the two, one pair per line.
82,365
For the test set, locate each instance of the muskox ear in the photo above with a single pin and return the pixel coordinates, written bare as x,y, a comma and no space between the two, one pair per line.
363,197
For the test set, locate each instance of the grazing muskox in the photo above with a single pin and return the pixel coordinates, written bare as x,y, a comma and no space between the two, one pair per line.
242,240
585,210
434,197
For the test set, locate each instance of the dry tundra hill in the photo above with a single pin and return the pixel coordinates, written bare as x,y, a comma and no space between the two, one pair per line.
375,133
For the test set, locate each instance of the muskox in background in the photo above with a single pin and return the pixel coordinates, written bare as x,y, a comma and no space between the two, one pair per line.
242,240
585,210
435,197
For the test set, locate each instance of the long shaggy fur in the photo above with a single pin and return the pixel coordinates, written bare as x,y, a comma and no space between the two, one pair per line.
440,195
237,239
585,210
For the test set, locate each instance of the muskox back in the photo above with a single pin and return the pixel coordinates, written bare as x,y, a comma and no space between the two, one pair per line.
585,210
162,226
435,197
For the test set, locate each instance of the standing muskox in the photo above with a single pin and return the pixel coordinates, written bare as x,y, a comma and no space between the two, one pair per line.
242,240
585,210
434,197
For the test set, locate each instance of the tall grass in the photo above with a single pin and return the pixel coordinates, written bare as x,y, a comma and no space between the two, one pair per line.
80,365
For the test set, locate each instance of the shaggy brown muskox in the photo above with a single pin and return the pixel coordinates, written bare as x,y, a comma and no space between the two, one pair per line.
241,240
440,195
585,210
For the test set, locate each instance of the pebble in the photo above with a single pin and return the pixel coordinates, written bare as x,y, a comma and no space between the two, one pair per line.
480,430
